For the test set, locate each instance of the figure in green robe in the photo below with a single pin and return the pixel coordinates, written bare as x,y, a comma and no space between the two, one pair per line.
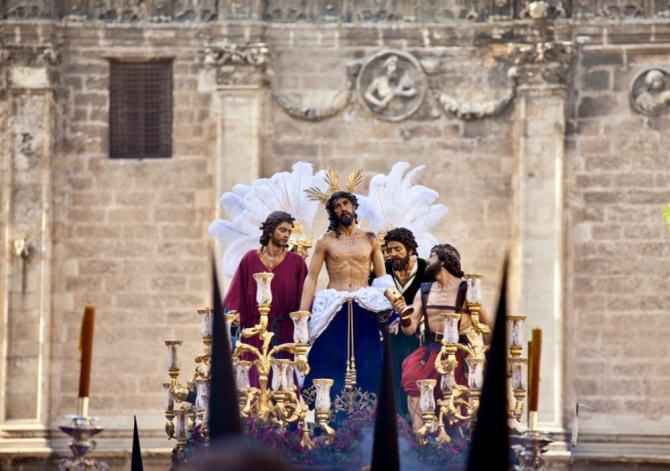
408,272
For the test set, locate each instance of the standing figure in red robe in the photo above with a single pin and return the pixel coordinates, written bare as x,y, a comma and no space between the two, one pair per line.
290,272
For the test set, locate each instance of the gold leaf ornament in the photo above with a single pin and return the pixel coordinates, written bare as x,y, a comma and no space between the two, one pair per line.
333,181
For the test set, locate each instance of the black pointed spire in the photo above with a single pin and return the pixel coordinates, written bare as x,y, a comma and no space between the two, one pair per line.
490,449
385,453
224,413
136,457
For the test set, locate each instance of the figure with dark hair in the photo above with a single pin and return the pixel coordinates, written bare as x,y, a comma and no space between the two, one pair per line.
446,294
345,325
409,273
290,271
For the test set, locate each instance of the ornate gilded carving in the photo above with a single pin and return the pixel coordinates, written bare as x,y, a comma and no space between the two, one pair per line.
392,85
650,92
542,63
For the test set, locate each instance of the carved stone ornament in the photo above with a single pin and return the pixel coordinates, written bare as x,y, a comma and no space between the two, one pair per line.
392,85
650,92
542,63
308,113
239,65
469,111
30,55
232,54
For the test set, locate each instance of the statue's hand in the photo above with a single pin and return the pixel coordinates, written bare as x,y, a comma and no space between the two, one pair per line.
399,304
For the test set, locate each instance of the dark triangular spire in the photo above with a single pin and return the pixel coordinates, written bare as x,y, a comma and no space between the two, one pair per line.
385,454
224,413
136,457
490,448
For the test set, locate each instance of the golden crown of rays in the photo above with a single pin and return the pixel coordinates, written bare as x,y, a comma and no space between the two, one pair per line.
332,178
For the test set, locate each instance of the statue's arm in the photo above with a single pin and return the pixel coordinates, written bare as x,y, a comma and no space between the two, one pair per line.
377,257
416,315
315,265
486,319
370,94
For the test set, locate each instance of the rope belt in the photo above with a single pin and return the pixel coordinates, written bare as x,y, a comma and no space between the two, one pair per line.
350,375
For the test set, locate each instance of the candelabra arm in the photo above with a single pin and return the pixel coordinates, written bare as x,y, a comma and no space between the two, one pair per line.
474,318
329,431
442,437
306,441
241,348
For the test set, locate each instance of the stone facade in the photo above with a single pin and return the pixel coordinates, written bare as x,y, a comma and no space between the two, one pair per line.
536,123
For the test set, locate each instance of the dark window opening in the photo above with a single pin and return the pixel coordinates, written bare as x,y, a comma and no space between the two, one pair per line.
140,109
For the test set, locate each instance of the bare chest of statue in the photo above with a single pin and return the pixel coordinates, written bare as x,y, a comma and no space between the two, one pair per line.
348,260
443,300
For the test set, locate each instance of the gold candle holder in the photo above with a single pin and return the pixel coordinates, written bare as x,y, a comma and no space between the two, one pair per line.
393,295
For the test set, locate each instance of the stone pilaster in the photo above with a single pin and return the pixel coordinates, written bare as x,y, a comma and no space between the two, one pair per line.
237,74
26,110
537,262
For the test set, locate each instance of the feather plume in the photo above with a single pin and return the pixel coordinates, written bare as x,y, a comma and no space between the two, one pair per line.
233,205
395,200
247,207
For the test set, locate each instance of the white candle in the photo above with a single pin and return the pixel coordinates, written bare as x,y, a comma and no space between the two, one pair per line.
474,293
323,386
174,353
263,291
427,399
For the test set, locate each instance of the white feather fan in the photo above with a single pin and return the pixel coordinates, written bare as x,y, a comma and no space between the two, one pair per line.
394,200
247,206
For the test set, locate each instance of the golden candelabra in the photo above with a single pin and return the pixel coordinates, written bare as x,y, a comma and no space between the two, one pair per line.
279,403
188,406
461,402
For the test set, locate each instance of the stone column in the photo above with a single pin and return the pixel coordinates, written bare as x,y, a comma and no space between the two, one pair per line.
537,262
27,114
237,77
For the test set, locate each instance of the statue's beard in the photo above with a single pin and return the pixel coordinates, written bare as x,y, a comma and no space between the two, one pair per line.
434,268
346,220
400,263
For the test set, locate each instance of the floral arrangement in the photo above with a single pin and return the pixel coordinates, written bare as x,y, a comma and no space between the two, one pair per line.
456,451
345,449
286,442
194,446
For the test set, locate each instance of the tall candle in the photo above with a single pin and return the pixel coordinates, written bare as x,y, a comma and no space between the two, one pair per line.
86,348
534,395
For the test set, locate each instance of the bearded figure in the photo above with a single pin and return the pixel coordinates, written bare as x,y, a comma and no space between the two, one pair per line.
349,316
446,294
409,273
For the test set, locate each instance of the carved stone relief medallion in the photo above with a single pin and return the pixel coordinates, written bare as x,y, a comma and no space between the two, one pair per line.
650,92
392,85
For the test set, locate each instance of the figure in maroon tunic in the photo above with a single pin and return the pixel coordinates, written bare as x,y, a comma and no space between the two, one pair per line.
290,271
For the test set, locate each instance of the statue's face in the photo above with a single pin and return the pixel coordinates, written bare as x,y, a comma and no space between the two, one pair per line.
658,83
344,211
282,234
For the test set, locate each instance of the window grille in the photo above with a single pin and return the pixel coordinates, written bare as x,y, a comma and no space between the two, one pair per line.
140,109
